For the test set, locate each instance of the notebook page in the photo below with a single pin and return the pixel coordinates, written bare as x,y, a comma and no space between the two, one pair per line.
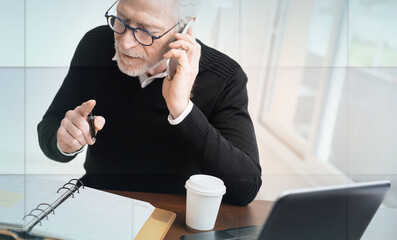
19,194
95,214
12,200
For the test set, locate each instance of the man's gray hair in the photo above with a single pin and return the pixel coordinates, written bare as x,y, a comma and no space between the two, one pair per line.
185,10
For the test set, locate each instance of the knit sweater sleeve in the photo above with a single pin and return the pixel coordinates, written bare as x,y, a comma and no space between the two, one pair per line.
224,144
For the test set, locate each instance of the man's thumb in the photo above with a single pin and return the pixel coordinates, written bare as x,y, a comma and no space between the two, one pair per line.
99,122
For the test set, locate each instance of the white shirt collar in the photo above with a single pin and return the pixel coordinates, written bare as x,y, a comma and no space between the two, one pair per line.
145,80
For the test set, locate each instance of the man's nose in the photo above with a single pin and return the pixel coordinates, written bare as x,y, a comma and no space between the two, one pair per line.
128,40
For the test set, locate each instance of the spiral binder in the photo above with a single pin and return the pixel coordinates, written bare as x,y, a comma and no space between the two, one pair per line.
38,209
72,186
52,215
33,216
67,189
46,204
77,182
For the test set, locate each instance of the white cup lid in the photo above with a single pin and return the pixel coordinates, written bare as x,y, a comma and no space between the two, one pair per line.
205,185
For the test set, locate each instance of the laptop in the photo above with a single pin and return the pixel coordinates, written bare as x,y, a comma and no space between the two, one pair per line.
333,212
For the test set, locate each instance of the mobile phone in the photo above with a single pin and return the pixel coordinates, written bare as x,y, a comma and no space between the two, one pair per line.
172,63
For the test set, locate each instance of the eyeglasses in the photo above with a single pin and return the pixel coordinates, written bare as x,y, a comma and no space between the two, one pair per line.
143,36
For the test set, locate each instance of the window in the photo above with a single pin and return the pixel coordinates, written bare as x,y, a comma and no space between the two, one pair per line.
300,70
331,88
358,130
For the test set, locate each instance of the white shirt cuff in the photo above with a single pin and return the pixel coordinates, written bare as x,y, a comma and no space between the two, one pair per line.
181,117
70,154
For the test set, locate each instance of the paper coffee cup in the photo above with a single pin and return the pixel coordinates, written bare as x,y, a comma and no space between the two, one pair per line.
204,196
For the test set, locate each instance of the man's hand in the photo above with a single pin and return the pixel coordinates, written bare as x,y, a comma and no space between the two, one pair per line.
74,132
177,91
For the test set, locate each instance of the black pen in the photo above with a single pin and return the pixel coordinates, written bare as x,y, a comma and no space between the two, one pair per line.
91,122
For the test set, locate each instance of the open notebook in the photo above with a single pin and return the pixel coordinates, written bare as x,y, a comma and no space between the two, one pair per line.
50,208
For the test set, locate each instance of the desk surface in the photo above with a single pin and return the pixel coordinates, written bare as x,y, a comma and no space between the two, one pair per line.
229,216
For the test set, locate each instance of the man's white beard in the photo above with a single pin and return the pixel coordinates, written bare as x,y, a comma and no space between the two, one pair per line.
134,70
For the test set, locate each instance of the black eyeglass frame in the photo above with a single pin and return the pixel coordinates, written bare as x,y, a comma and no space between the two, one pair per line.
133,29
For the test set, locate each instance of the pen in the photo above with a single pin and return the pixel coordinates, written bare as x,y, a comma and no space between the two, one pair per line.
91,122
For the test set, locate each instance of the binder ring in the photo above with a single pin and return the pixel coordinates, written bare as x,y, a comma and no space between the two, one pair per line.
77,181
38,209
46,204
74,186
67,189
32,216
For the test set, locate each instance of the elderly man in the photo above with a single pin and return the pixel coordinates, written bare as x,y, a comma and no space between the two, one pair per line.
158,132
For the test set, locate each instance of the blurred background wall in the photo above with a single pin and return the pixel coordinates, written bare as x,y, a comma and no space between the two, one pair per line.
322,83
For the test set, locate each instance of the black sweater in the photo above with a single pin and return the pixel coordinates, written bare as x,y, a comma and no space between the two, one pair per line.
138,149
